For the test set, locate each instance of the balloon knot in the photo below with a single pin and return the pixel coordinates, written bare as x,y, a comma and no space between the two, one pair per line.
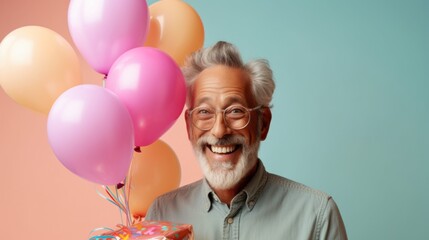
137,149
137,218
119,185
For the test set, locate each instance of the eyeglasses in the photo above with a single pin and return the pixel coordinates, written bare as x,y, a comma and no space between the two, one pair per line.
235,117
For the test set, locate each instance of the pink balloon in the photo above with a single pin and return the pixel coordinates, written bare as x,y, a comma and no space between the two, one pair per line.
104,29
91,133
152,87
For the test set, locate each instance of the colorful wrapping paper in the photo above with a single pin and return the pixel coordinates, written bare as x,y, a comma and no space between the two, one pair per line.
151,230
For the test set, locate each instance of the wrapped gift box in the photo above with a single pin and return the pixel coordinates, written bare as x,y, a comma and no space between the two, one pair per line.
151,230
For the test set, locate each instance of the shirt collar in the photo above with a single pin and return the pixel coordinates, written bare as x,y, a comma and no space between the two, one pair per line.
252,190
208,195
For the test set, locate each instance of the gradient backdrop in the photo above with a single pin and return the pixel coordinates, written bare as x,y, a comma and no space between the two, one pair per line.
351,115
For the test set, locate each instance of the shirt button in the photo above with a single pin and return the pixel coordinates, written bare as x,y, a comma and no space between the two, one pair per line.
230,220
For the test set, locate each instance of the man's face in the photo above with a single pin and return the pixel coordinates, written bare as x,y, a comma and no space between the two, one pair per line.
226,155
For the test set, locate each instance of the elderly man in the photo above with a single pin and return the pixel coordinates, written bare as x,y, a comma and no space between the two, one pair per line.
228,115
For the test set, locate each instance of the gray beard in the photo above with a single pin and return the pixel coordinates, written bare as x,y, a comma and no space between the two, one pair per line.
226,175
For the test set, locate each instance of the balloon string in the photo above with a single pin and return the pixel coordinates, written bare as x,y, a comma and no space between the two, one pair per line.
104,80
127,205
123,198
124,206
114,197
121,209
127,191
119,199
108,199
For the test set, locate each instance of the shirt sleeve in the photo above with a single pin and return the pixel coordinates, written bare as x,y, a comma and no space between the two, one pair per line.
152,213
332,225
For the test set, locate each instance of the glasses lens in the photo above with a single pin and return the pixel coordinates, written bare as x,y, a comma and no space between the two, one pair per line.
203,117
236,117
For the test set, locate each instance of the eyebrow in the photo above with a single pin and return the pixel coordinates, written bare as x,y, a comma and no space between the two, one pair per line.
232,100
202,100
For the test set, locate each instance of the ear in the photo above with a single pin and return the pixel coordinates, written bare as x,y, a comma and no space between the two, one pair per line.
266,120
188,125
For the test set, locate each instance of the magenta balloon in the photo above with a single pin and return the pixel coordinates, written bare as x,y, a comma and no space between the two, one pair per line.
104,29
152,87
91,133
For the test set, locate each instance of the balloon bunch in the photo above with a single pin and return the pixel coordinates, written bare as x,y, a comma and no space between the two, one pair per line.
92,129
147,79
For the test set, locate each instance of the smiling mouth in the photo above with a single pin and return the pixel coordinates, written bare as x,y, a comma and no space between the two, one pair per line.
223,149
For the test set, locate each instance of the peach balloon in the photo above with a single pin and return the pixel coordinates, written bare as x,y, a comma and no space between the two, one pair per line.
36,66
175,28
154,171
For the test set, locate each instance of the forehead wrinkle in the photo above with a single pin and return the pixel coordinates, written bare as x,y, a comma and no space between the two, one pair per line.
222,86
226,102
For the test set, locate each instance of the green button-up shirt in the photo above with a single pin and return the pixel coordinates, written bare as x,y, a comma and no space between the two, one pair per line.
269,207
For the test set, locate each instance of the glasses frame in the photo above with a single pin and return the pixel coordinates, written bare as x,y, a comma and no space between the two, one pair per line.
249,110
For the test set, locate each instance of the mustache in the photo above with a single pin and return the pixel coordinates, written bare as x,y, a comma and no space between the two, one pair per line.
226,140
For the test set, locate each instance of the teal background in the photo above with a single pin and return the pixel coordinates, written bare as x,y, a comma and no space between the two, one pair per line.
351,108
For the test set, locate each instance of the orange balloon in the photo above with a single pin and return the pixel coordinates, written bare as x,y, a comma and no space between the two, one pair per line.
175,28
154,171
36,66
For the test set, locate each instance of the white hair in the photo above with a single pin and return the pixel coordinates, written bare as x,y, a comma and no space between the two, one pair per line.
226,54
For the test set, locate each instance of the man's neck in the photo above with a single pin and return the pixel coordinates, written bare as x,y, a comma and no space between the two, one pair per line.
226,195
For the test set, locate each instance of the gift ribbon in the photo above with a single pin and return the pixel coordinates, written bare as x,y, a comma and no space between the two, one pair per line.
100,237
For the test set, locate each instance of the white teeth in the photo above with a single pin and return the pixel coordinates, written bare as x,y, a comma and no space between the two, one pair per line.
222,149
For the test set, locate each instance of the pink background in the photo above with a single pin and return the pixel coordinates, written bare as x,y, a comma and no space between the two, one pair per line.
41,199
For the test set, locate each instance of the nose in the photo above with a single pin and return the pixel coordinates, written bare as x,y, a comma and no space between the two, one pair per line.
220,129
